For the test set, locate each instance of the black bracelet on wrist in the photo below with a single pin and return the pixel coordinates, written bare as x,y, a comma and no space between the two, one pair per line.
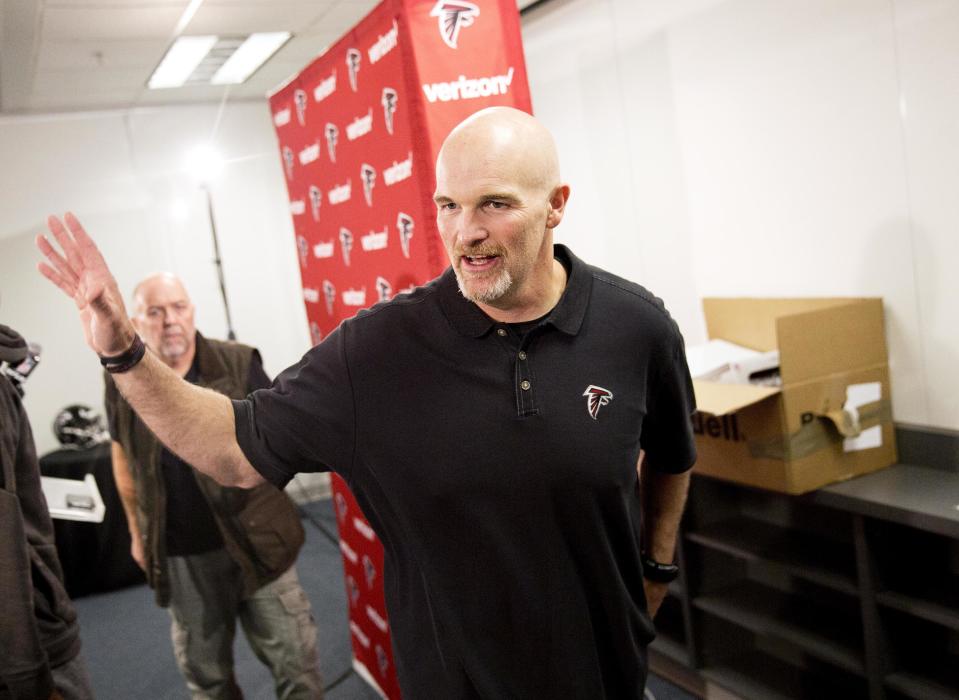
658,572
117,364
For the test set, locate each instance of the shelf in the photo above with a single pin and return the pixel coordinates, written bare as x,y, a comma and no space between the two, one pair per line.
936,602
807,556
758,676
943,686
670,648
831,635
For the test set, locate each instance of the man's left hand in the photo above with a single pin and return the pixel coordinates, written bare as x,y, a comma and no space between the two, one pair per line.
655,593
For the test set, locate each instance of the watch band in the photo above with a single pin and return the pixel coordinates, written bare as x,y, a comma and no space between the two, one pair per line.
658,572
126,361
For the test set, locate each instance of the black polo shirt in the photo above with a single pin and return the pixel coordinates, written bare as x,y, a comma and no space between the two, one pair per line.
499,471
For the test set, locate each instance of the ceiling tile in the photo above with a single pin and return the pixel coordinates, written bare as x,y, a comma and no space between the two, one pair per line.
102,23
94,55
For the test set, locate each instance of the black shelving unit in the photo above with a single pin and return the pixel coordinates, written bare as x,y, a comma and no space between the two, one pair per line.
848,592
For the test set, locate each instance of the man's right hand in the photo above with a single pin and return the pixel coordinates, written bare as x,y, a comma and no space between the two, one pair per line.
136,550
82,274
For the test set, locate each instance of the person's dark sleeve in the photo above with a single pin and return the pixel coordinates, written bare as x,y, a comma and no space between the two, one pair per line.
305,421
24,668
257,378
667,435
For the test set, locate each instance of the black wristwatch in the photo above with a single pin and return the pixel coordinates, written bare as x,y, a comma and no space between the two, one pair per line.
658,572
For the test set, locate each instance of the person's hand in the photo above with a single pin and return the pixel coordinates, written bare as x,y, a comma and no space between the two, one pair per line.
81,272
655,593
136,551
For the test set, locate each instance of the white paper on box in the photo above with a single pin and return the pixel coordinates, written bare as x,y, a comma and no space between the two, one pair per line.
709,360
859,395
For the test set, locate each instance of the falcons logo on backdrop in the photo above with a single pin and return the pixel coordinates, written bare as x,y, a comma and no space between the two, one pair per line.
316,199
389,100
315,335
332,135
384,290
452,16
288,162
353,57
303,248
340,507
299,99
596,398
404,225
368,176
369,571
382,660
346,245
329,295
354,590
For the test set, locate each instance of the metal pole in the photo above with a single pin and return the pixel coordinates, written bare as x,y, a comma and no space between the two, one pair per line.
230,334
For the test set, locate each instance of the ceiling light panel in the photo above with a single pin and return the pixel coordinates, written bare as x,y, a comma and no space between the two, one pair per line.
180,61
252,54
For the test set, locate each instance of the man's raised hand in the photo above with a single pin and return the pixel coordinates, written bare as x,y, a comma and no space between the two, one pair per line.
82,274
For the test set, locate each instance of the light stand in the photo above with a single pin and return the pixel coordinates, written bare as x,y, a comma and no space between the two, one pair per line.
230,334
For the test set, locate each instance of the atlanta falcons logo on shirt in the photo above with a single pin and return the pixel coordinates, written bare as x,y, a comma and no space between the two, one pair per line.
452,16
346,245
353,57
299,99
389,107
368,176
316,199
332,134
404,224
596,398
329,295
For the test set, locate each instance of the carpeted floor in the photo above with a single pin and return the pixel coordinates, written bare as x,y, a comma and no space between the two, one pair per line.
126,637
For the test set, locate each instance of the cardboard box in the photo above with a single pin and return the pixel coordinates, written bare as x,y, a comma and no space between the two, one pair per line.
832,417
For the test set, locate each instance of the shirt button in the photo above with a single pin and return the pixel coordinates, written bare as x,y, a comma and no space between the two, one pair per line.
501,332
522,355
525,385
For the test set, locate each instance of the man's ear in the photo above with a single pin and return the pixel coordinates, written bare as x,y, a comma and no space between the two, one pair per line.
557,205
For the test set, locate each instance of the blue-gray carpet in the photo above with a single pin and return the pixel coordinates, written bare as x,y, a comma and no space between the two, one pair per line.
126,637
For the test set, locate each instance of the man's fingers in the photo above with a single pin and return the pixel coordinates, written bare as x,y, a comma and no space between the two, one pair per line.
86,248
69,289
66,242
56,261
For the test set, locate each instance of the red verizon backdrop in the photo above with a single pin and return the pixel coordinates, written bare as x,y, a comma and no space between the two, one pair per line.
359,130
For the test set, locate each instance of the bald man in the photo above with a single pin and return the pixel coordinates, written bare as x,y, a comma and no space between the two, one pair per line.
212,554
491,425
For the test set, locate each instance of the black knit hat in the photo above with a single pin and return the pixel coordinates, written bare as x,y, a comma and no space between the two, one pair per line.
13,348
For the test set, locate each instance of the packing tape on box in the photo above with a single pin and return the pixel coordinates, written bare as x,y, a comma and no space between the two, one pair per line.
819,434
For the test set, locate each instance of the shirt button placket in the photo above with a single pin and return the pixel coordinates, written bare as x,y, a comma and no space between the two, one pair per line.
525,385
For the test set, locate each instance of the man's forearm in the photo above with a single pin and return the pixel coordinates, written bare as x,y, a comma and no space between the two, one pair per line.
664,498
195,423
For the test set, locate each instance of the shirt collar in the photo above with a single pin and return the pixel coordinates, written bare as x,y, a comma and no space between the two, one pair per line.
567,316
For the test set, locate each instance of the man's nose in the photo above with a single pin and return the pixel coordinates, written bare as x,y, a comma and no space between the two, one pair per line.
470,230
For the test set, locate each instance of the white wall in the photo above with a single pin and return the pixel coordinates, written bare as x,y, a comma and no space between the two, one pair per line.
755,148
120,172
738,147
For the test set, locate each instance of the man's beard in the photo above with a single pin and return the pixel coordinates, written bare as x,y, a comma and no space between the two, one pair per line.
491,293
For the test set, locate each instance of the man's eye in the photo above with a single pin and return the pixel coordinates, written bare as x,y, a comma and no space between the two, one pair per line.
494,204
448,206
